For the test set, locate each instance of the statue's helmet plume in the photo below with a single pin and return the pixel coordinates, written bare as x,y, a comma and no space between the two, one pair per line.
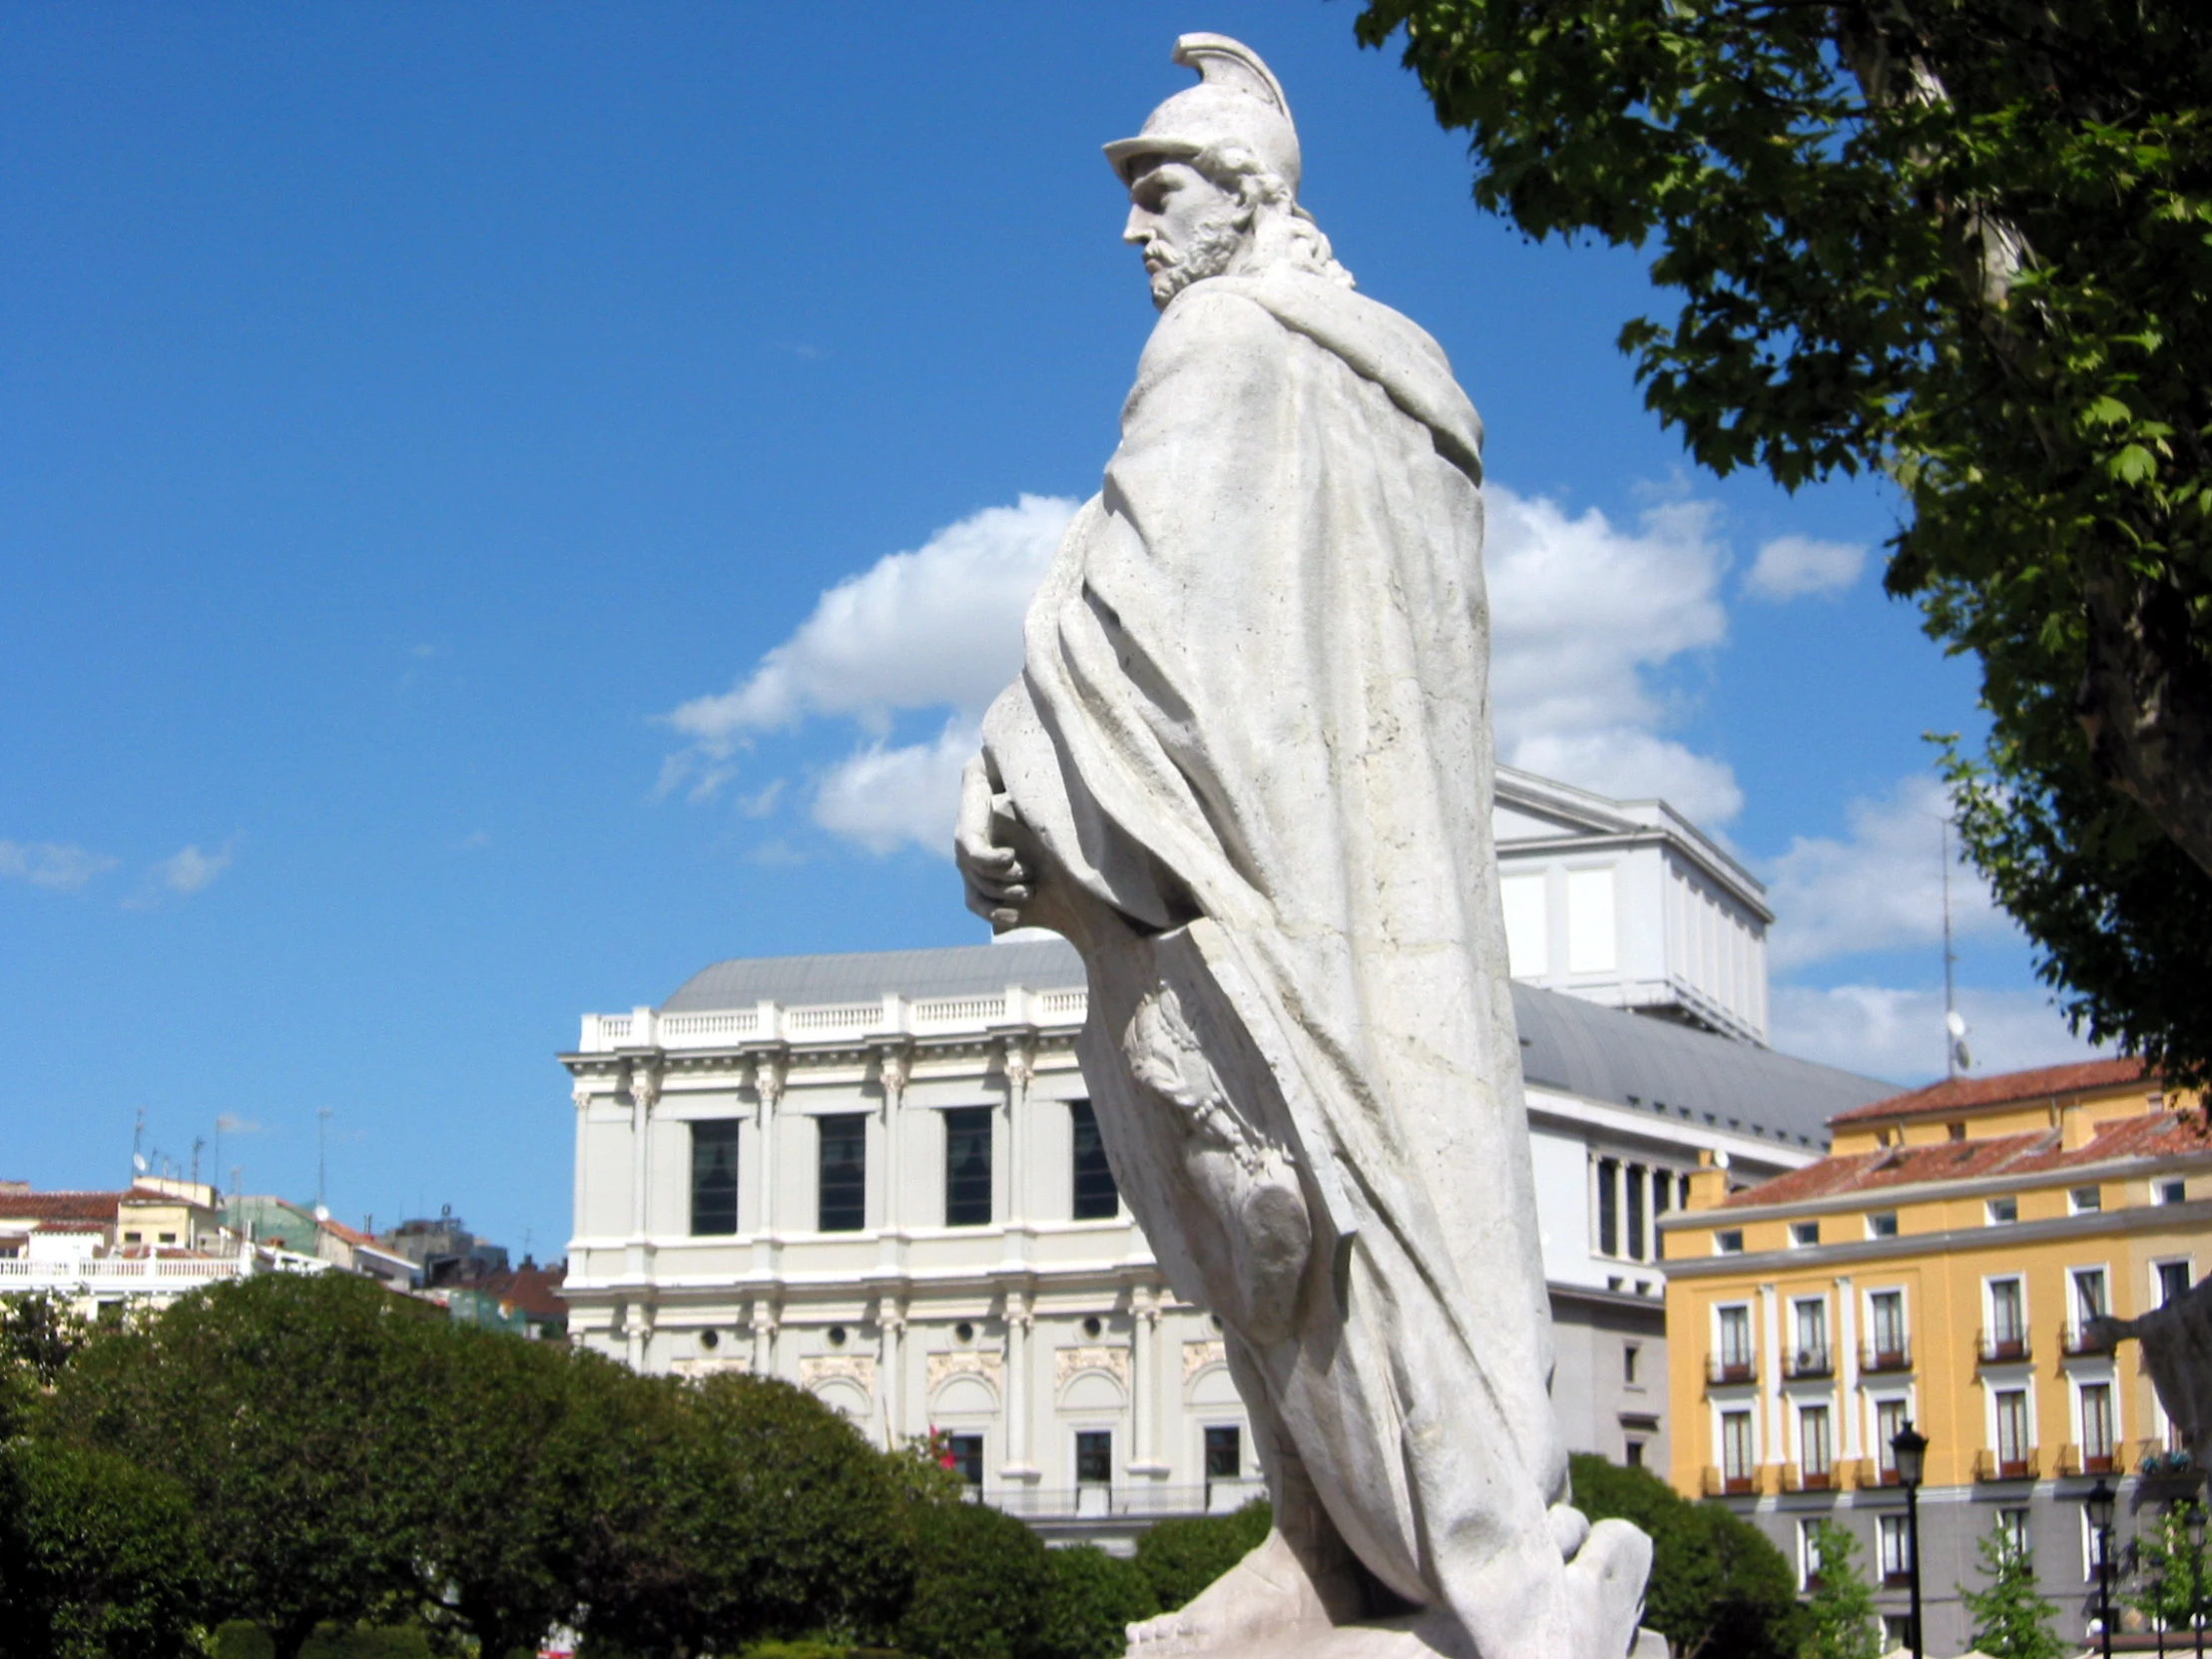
1237,104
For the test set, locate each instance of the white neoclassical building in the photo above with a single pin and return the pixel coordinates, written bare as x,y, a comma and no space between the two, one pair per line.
877,1176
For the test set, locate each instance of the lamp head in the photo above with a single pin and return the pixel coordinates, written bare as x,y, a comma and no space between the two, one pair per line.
2098,1501
2194,1523
1911,1449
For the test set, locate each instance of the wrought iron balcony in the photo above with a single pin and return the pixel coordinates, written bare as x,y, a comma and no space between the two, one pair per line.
1873,1361
2002,1347
2075,1460
1808,1361
1987,1466
1732,1368
2091,1336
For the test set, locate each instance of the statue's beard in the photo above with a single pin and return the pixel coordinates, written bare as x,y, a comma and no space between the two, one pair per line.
1214,248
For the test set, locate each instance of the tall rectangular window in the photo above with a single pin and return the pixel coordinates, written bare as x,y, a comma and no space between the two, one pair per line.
1889,1421
2097,1425
2014,1439
1608,1207
2012,1524
1096,1196
968,1167
1527,928
1735,1340
2007,1320
2089,1303
714,1176
1737,1465
1662,1193
1094,1458
1636,1211
1814,1454
1811,1316
1590,929
1885,1320
964,1452
842,1189
1224,1454
2173,1281
1897,1552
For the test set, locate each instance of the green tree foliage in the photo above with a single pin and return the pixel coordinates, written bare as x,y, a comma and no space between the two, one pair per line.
292,1411
1964,242
1093,1599
1840,1618
1718,1588
1179,1558
982,1583
2011,1620
99,1560
2169,1577
790,1521
38,1333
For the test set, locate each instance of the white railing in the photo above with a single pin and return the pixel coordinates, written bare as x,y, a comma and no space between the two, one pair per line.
642,1028
145,1275
1136,1497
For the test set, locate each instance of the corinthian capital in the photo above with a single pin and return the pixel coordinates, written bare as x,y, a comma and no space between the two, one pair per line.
645,1083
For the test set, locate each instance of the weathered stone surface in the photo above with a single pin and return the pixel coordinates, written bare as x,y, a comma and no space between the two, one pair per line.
1248,771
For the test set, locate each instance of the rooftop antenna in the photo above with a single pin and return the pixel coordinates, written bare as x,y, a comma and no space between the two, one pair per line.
198,1141
322,1122
234,1188
1955,1057
138,1144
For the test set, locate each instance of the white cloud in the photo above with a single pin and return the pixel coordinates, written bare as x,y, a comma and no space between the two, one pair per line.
229,1123
883,799
190,870
1899,1034
937,626
55,864
1791,567
1880,889
1580,610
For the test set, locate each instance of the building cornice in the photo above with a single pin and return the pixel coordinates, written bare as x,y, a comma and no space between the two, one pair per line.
2149,1217
1936,1192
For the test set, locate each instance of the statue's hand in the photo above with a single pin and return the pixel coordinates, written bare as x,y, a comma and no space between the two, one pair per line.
998,883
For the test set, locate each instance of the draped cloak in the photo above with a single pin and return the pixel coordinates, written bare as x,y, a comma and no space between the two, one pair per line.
1255,691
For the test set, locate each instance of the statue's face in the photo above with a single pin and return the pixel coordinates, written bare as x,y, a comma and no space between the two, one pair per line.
1187,227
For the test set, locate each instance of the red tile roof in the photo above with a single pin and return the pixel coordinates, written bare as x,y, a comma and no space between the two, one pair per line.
2036,1153
1959,1093
61,1208
529,1288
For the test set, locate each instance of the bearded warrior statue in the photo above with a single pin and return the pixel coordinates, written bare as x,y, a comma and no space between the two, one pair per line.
1248,771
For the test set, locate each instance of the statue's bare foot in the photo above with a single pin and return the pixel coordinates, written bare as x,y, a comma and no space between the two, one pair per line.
1267,1596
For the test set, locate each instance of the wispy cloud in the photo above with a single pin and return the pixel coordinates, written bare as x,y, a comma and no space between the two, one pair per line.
58,866
1881,1032
190,870
476,840
229,1123
1798,567
1879,888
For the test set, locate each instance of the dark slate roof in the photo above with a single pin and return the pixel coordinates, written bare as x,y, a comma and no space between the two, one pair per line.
1575,1047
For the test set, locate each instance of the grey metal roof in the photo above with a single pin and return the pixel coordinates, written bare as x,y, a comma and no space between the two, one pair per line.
1579,1048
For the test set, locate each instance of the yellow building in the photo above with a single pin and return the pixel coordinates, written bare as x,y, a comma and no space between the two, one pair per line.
1940,1265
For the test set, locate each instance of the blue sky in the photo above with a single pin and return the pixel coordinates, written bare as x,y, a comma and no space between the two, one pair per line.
427,438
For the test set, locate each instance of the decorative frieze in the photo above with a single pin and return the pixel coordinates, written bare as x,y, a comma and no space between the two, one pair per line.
1197,1356
991,1367
859,1369
1066,1362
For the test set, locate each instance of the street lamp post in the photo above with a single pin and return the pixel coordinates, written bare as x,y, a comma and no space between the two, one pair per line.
2098,1501
2195,1524
1911,1451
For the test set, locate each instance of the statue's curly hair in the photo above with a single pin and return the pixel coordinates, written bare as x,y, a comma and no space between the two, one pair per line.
1283,233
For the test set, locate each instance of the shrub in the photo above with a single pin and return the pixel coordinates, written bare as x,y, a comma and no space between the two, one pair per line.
981,1583
1093,1597
1179,1558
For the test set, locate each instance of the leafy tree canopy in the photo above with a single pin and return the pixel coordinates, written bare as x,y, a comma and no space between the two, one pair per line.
981,1583
1179,1558
1094,1597
1840,1618
1718,1588
2011,1620
1964,244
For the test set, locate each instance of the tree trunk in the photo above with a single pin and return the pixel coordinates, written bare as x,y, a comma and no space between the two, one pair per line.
2145,700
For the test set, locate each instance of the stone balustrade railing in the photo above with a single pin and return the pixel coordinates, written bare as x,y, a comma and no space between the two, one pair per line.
888,1016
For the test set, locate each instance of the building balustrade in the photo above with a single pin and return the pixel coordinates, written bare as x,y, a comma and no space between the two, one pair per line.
1134,1497
1989,1465
1877,1362
2075,1460
2001,1348
1808,1363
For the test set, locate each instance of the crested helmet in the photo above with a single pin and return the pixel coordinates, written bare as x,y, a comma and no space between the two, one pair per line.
1236,102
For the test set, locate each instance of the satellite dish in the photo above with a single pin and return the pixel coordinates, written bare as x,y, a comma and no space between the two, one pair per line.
1954,1024
138,1162
1959,1053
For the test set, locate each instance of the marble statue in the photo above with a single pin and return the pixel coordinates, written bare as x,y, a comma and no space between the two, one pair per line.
1248,771
2177,1352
